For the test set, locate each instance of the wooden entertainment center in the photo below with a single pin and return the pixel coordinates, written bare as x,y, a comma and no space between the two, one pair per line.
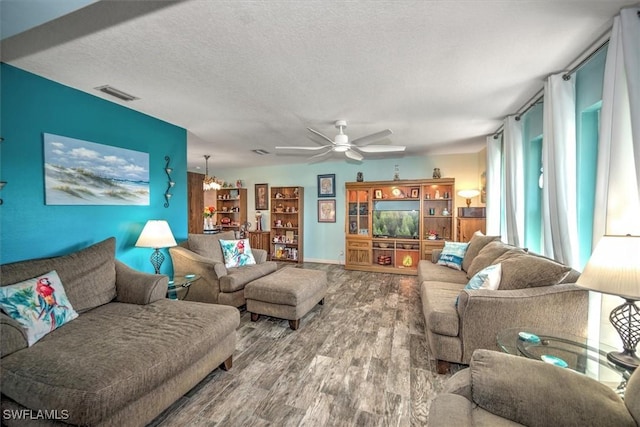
391,225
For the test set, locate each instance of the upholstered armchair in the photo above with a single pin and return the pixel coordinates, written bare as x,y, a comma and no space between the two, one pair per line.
201,254
499,389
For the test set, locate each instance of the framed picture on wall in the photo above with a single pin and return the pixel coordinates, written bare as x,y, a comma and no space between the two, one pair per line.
262,197
78,172
327,210
327,185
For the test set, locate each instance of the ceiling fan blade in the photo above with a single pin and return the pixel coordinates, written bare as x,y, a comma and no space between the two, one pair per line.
318,157
353,155
320,135
382,148
364,140
303,148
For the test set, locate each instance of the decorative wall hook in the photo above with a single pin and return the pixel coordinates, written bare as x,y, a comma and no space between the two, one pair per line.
168,170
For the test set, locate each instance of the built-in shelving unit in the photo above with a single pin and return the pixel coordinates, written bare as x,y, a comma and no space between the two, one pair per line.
392,225
287,213
231,208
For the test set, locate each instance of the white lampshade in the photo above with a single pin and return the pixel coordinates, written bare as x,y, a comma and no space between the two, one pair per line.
156,234
468,194
614,267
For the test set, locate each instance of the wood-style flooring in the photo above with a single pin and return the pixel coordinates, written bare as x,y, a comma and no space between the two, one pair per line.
361,359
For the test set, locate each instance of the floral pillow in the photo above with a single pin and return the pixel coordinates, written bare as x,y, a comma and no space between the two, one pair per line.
40,305
452,254
237,253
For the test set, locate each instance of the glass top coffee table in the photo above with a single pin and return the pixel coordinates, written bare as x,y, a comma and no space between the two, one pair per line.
579,354
178,288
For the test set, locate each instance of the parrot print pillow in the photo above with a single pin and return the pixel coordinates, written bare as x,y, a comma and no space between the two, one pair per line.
40,305
237,253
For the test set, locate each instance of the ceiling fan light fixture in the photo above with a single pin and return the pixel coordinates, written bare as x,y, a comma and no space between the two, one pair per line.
341,139
341,148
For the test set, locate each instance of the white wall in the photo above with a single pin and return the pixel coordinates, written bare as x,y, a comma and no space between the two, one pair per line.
324,242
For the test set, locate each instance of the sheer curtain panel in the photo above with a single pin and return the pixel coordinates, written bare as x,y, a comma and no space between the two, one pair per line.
559,191
617,206
494,185
513,181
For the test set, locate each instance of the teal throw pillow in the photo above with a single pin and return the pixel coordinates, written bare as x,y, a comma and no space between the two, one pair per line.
40,305
237,253
452,254
487,278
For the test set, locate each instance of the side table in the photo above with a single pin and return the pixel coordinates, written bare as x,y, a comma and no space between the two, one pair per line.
179,287
588,357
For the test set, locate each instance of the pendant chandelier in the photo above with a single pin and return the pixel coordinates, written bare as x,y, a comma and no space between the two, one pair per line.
209,183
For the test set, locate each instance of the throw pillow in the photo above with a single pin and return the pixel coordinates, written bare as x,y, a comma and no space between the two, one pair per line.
40,305
522,270
487,278
477,242
237,253
452,254
208,245
488,255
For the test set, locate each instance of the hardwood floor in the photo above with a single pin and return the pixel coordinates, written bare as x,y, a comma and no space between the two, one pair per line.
361,359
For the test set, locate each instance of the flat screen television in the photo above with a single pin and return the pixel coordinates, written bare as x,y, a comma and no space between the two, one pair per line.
399,219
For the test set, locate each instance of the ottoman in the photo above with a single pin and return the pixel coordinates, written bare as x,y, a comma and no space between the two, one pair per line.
288,293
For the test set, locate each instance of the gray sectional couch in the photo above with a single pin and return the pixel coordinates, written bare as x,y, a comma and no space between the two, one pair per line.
128,355
504,390
534,291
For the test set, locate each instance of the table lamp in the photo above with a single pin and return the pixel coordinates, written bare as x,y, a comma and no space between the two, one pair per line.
614,268
156,234
468,194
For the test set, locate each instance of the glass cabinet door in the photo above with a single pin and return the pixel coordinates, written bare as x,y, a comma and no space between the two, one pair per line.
358,211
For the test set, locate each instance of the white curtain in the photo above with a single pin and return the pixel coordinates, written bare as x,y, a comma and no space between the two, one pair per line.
494,185
617,206
629,32
559,191
513,181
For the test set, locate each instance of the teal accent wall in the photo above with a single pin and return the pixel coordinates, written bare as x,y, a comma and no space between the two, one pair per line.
31,106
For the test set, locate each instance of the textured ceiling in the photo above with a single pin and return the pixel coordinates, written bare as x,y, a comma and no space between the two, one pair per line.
243,75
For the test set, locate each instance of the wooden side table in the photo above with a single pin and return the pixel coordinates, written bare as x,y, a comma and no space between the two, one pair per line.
260,240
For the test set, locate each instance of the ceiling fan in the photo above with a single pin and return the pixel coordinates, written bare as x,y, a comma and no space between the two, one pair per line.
353,149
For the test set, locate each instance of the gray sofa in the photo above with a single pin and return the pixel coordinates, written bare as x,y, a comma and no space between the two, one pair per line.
534,291
128,355
500,390
201,254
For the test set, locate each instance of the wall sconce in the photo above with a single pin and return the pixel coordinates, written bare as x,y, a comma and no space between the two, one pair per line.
168,170
2,184
468,194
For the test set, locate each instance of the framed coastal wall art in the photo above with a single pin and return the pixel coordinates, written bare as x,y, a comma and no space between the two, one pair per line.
78,172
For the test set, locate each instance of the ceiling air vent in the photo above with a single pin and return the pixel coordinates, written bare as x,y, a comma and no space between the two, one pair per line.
110,90
260,151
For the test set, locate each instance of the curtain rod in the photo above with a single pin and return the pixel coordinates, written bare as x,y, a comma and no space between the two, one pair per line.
568,74
537,97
